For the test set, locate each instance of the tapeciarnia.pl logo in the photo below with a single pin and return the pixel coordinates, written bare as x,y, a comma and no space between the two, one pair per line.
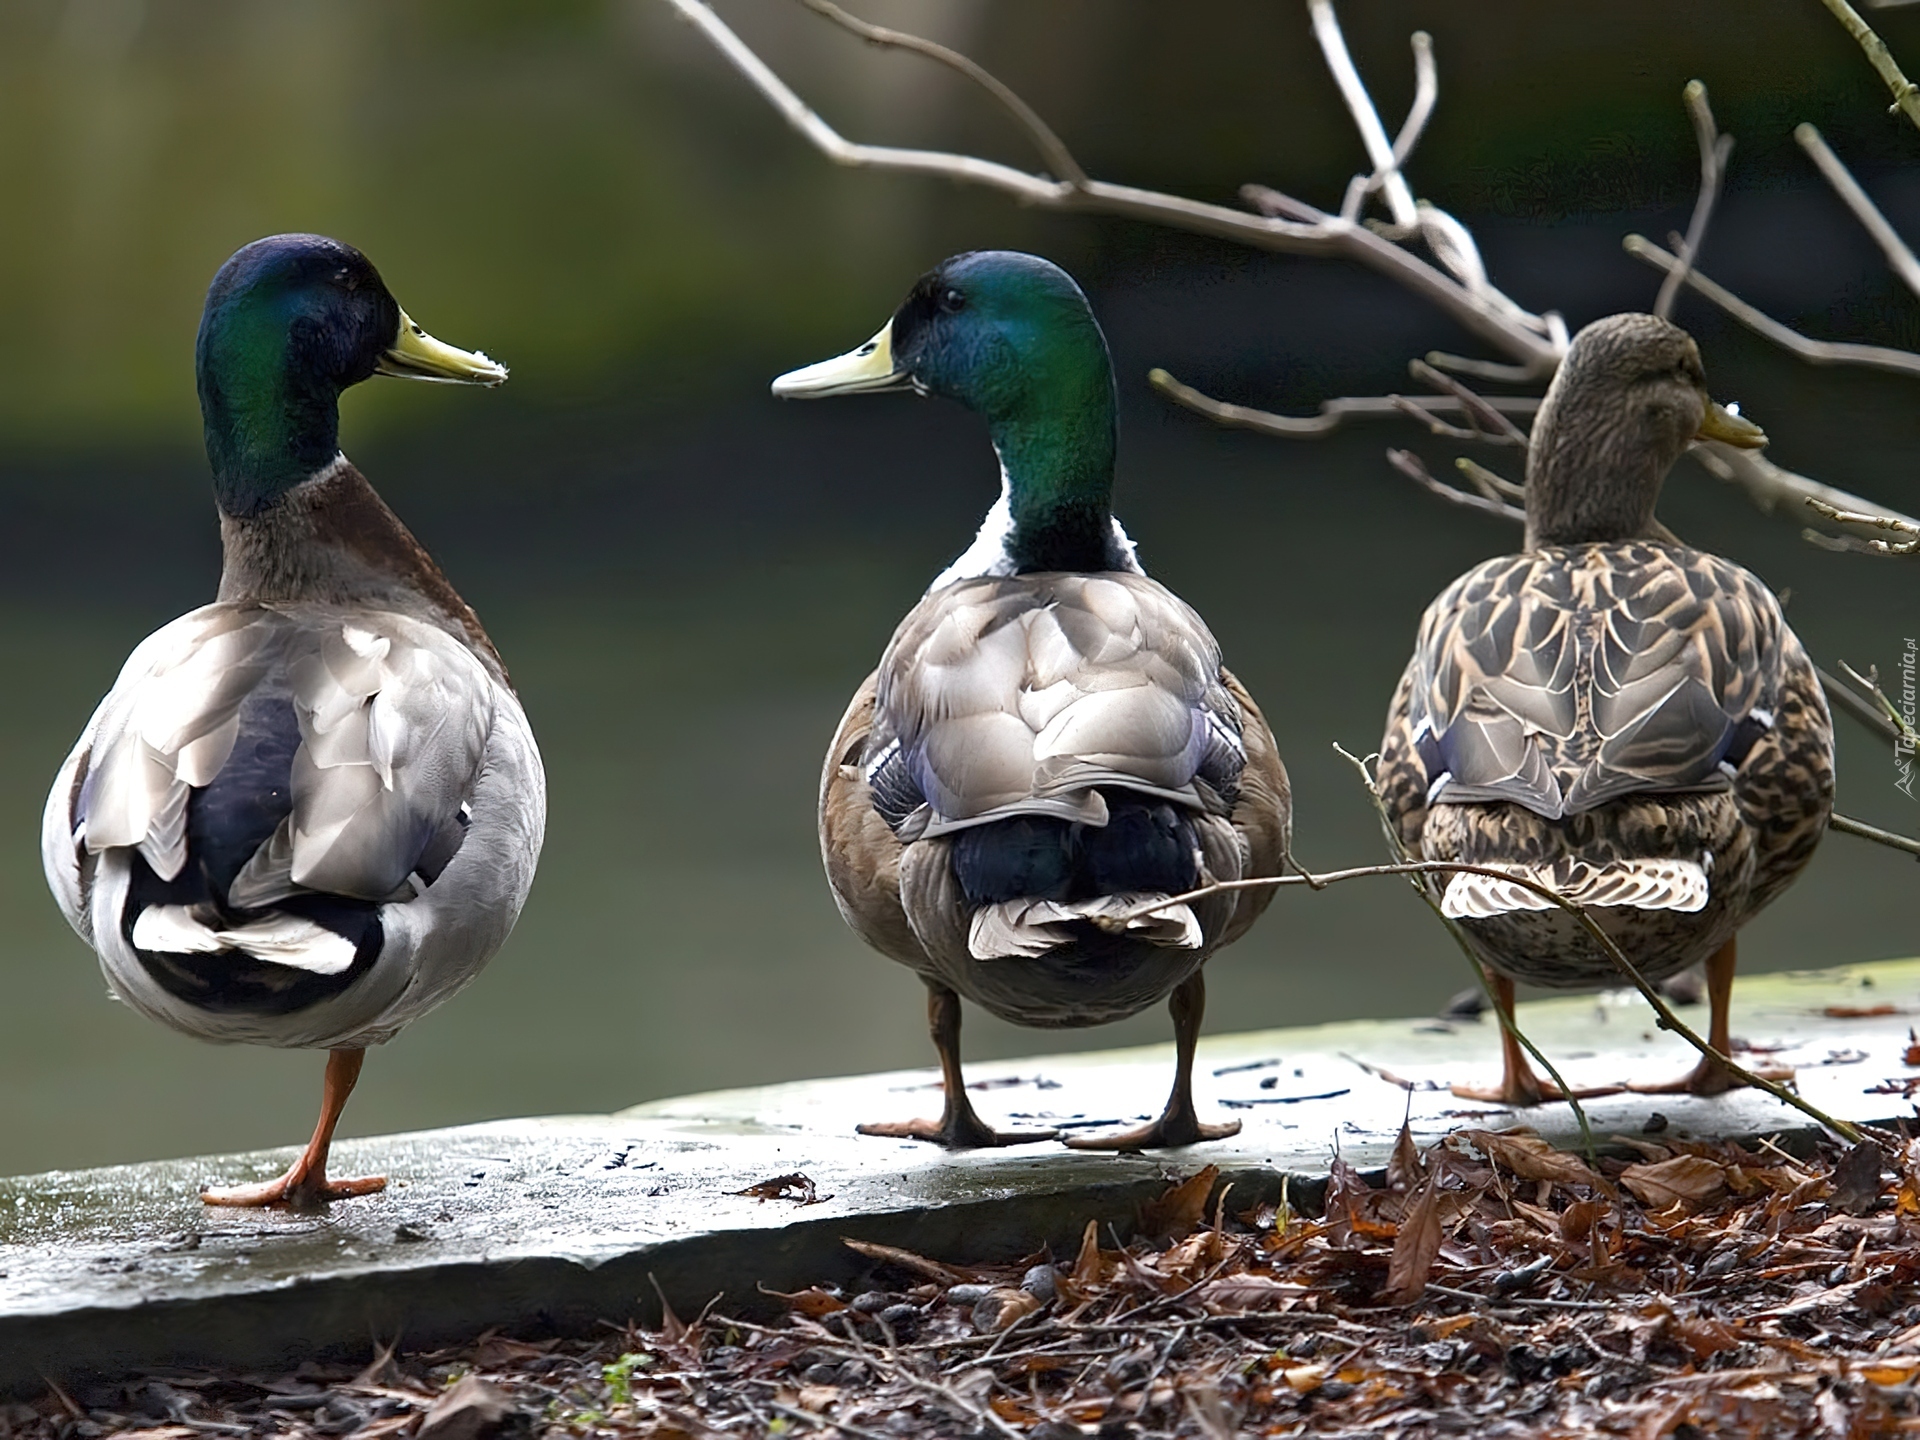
1903,701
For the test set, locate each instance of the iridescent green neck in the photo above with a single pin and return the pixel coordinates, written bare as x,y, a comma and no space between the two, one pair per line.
1055,439
270,420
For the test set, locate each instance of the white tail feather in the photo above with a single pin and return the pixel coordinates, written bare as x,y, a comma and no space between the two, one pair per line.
1639,884
278,939
1025,928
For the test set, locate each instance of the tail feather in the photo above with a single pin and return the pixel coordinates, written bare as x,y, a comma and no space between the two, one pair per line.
1021,929
1657,884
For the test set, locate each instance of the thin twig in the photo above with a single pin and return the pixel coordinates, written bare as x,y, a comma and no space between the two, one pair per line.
1899,257
1477,407
1052,149
1769,486
1494,487
1508,1024
1488,315
1870,682
1415,469
1896,524
1841,696
1332,412
1666,1019
1714,150
1847,825
1366,119
1906,95
1803,347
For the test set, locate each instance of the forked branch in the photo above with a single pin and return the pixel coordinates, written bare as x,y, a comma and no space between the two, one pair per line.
1530,342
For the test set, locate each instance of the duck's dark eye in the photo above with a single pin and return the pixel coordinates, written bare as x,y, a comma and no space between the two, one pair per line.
952,300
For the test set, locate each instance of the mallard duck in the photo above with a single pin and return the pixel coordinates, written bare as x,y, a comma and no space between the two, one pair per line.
309,812
1612,714
1050,743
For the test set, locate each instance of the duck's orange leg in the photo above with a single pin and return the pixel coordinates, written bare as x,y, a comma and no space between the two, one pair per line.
958,1127
305,1186
1518,1084
1179,1123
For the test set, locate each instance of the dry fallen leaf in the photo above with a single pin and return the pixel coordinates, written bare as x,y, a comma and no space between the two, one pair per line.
1181,1209
1688,1180
812,1301
1856,1179
1415,1247
795,1187
1532,1158
999,1308
1242,1294
1859,1012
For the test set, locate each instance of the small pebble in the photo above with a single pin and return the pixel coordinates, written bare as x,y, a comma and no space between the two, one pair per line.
820,1375
872,1302
1656,1124
900,1314
1041,1282
967,1294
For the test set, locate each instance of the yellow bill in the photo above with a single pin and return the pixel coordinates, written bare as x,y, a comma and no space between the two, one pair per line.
416,355
870,367
1730,427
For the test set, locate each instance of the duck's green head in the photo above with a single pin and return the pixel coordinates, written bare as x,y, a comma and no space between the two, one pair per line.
290,322
1012,337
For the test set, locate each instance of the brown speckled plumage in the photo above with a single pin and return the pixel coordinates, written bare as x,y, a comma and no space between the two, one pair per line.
1610,707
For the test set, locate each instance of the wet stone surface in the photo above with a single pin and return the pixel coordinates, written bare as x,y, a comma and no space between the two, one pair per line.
553,1224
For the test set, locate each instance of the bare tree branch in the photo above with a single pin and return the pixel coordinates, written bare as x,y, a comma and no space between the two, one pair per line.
1415,469
1877,522
1494,487
1480,413
1906,95
1814,352
1533,344
1052,149
1714,149
1489,315
1332,412
1847,825
1843,697
1870,682
1366,119
1899,257
1770,487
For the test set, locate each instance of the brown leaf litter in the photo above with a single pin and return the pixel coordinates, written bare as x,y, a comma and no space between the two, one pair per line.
1489,1287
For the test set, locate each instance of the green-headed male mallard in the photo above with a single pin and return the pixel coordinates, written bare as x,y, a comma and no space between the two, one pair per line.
309,812
1611,714
1050,742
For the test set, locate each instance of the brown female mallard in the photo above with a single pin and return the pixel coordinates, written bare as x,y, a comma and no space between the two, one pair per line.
1611,713
1050,743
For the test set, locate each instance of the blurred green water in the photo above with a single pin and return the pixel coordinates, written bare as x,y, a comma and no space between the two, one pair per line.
687,580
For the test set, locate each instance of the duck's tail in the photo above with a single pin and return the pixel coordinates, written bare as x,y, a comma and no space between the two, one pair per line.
1657,884
1024,928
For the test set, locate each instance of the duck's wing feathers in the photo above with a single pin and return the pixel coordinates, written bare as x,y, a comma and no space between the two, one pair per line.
258,754
1567,677
1023,694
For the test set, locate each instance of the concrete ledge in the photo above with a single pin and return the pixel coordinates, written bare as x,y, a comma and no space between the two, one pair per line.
556,1223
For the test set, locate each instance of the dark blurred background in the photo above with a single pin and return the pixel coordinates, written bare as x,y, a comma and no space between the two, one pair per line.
688,578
